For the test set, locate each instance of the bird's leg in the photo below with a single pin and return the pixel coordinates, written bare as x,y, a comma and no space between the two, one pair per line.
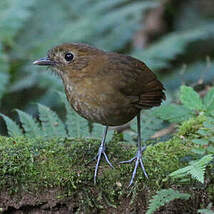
99,154
138,156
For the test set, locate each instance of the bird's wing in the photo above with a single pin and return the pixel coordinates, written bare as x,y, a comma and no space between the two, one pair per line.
135,80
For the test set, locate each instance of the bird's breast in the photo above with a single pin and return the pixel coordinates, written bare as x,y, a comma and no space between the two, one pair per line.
99,102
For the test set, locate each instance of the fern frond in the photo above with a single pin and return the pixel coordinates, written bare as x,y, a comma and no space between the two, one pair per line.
4,75
163,197
196,169
209,100
173,113
173,44
190,98
208,210
12,128
13,14
52,126
4,79
30,126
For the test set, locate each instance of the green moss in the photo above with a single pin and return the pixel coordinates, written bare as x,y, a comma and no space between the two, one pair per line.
33,165
189,127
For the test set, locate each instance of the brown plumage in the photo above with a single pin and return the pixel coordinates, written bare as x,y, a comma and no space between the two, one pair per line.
104,87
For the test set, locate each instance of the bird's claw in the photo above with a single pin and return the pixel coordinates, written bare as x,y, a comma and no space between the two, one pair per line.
98,157
138,159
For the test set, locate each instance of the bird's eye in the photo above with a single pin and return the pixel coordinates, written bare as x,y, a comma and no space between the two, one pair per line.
69,57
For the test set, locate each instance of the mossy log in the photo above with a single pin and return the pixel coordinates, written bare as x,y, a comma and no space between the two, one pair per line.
56,176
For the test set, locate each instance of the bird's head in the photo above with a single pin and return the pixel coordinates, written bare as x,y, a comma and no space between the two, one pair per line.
71,59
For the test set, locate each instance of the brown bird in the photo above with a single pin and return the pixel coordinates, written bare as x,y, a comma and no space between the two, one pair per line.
105,87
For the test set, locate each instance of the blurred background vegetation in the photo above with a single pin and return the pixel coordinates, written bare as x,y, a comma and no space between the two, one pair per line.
174,38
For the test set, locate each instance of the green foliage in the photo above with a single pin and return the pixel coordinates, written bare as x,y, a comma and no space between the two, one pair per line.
163,197
208,210
4,75
52,126
30,126
205,137
4,79
12,128
209,100
13,15
196,169
173,113
191,106
190,99
174,44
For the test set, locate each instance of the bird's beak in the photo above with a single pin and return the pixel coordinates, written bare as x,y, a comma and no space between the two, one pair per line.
44,62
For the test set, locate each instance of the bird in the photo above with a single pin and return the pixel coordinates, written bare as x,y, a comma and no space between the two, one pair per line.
106,87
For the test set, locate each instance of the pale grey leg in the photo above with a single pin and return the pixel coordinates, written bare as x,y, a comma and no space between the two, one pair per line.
138,156
99,154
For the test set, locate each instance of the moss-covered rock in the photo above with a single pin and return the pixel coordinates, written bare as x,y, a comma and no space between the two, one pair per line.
60,172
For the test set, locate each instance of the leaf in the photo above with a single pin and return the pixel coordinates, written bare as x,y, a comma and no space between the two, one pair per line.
163,197
210,149
209,100
30,127
12,128
199,151
201,141
190,98
203,132
4,74
208,125
52,126
173,44
206,211
4,80
196,169
173,113
13,14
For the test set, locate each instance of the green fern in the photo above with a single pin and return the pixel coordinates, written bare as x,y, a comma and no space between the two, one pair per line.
12,128
192,104
173,113
190,98
163,197
208,210
205,137
13,14
190,73
196,169
4,75
31,127
4,80
173,44
209,100
52,126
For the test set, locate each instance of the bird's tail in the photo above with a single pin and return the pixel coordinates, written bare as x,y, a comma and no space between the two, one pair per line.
153,94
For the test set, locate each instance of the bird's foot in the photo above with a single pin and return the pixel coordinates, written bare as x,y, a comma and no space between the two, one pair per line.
98,157
138,159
